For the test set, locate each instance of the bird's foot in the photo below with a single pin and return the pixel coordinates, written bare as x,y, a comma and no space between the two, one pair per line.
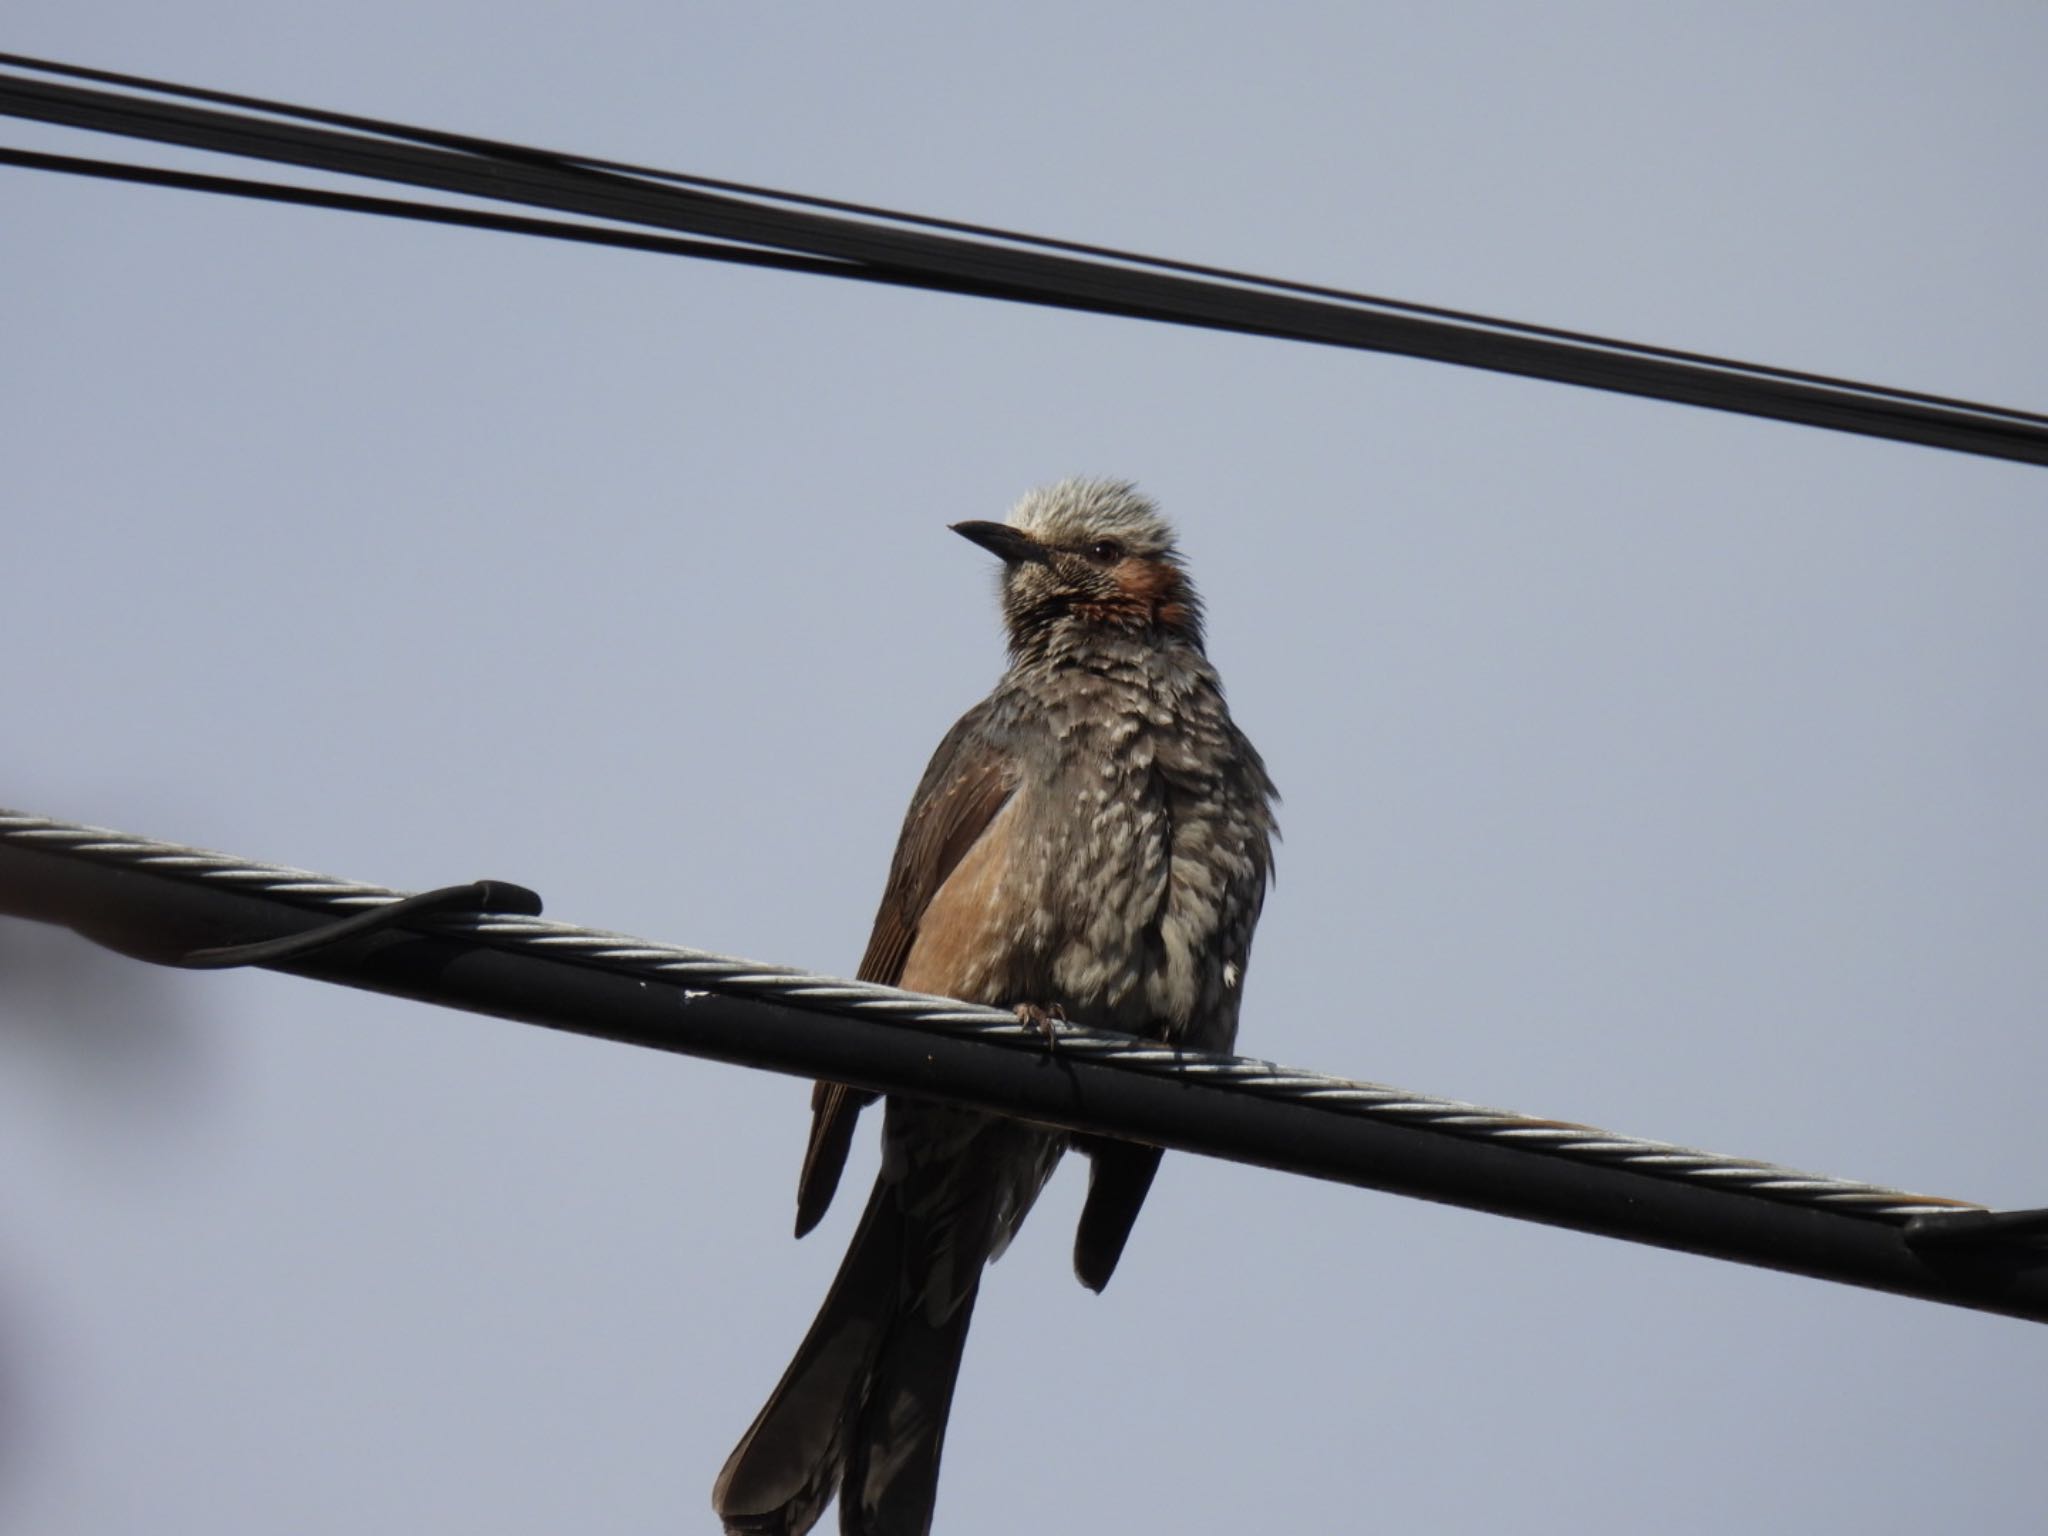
1046,1021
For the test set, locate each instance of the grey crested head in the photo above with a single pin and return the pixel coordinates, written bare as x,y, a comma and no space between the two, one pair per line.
1089,556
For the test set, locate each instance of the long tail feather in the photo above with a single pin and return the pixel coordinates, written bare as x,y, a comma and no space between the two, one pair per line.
784,1470
892,1473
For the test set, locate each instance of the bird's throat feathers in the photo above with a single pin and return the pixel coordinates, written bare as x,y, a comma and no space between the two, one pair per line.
1141,593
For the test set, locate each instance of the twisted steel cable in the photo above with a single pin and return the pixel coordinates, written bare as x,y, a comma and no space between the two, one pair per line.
728,975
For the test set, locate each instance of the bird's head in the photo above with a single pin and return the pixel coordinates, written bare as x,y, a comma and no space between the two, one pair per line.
1089,554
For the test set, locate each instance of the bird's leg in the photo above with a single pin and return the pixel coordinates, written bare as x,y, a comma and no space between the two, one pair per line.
1046,1021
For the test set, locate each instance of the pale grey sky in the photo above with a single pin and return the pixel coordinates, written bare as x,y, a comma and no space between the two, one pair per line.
1666,770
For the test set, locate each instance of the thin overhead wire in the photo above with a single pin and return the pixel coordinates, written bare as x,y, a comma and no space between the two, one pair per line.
486,146
435,213
873,244
178,904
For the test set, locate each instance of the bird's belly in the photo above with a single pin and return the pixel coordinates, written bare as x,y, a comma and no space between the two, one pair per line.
1107,957
1085,914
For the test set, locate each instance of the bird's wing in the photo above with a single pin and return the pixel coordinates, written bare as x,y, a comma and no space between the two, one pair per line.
968,781
1119,1177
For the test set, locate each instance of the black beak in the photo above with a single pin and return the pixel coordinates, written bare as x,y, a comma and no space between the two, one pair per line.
1001,539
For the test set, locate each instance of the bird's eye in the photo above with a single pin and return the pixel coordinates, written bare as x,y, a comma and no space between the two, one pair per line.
1105,551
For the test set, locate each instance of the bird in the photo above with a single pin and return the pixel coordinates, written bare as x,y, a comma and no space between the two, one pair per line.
1091,843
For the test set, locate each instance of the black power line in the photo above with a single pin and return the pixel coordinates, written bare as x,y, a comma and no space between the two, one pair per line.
184,906
486,146
445,213
853,240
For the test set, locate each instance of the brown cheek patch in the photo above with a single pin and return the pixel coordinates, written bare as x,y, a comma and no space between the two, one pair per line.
1122,614
1155,588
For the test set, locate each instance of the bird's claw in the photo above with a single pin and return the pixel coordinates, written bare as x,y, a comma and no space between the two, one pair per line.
1046,1021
